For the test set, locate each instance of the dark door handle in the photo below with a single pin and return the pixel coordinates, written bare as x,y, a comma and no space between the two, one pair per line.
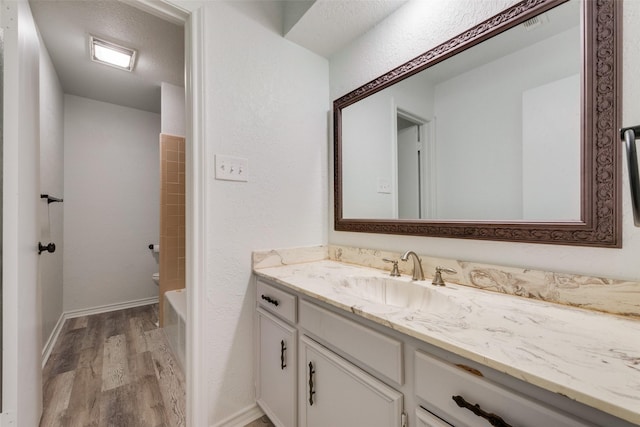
51,248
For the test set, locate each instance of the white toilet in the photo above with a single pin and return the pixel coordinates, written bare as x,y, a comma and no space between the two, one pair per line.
156,278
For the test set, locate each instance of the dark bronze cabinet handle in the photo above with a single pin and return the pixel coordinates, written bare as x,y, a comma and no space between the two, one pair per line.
282,350
270,300
311,392
493,419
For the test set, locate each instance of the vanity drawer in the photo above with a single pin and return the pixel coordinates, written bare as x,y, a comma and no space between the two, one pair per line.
436,382
375,350
425,418
276,301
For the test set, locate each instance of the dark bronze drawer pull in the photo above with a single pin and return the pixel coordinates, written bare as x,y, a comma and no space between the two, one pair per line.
311,392
270,300
283,348
493,419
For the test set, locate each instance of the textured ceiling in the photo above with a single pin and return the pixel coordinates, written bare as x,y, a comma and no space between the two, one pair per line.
329,25
65,27
323,26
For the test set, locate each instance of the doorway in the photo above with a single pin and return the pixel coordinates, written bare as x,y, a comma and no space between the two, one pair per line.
414,172
17,401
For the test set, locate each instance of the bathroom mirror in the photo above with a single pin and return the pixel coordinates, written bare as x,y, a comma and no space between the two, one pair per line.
508,132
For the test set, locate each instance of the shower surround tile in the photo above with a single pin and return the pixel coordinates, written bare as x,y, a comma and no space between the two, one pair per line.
172,216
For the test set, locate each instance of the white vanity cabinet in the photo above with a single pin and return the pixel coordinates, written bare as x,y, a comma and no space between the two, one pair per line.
339,394
344,370
276,356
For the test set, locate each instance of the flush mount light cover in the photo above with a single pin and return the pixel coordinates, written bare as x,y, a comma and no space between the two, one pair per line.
111,54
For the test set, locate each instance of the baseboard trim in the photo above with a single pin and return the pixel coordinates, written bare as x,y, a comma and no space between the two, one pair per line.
53,338
110,307
241,418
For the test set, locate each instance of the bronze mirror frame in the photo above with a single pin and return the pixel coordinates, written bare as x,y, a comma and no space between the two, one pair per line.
601,211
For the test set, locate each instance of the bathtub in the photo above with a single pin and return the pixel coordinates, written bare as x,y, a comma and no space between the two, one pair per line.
175,317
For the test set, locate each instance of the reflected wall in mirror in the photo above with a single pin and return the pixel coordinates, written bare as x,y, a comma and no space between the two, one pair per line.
506,132
1,187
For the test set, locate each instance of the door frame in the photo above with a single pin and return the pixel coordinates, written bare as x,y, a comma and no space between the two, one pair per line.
196,391
427,158
196,190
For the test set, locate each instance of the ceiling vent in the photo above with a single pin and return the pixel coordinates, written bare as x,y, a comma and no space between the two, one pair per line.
535,22
111,54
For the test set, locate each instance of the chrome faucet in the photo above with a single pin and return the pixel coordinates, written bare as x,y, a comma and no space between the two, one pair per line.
418,274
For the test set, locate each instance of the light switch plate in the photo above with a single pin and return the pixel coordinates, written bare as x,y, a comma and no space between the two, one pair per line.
229,168
384,186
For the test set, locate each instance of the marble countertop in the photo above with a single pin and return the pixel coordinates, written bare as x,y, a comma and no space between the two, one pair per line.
590,357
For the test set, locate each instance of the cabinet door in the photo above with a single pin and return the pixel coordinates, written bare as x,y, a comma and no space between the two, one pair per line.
339,394
276,369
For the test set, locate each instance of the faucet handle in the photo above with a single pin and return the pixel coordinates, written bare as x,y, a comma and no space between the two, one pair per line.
394,269
437,279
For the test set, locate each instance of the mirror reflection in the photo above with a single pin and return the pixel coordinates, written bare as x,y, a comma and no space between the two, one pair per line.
1,186
492,133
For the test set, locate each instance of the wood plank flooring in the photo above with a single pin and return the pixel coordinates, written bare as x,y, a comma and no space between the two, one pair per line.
261,422
113,369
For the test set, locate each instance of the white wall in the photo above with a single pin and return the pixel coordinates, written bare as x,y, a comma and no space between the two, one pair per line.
551,153
172,110
51,183
486,165
367,143
367,135
419,26
112,193
266,100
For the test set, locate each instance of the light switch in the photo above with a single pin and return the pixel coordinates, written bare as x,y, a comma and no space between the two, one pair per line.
230,168
384,186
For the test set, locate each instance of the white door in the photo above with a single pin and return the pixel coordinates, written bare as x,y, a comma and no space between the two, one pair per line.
409,173
21,356
339,394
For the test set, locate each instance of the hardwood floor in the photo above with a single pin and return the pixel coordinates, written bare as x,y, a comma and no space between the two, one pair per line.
113,369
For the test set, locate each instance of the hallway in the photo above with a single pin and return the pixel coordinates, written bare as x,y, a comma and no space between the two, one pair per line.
113,369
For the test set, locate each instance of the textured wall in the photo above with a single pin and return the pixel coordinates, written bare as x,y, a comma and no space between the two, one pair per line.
112,190
172,110
416,28
51,183
267,101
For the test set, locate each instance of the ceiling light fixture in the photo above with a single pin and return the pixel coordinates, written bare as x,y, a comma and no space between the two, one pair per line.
111,54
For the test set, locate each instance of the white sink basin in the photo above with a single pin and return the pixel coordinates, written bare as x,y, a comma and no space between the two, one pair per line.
398,293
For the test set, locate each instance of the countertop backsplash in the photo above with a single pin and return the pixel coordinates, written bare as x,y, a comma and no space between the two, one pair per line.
613,296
